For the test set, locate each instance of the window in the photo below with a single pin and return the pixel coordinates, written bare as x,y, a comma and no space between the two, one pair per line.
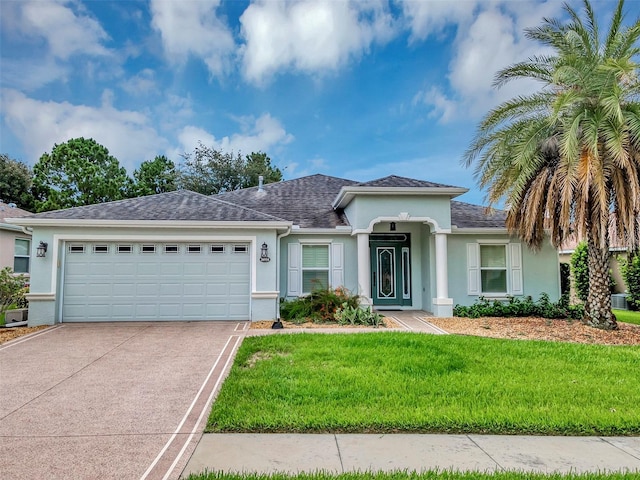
194,249
315,267
493,268
171,249
100,249
217,248
21,255
125,248
240,249
76,248
148,249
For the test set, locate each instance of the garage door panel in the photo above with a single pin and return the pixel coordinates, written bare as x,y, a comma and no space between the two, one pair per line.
116,286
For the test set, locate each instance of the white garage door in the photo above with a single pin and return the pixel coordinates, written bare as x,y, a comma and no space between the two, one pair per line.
156,281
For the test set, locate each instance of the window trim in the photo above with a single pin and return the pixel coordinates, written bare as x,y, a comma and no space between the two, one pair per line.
314,269
217,248
169,248
27,256
194,248
514,261
504,269
124,248
76,248
99,248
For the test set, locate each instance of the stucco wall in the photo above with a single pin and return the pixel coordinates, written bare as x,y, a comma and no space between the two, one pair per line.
540,270
7,246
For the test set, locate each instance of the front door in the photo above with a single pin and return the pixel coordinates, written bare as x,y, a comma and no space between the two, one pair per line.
390,269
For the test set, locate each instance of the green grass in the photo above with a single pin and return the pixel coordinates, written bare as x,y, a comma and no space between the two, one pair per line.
627,316
429,475
403,382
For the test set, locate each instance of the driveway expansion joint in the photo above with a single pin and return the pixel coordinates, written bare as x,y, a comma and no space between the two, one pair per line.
485,452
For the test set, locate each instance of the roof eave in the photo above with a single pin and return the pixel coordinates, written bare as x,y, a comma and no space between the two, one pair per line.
68,222
480,230
348,193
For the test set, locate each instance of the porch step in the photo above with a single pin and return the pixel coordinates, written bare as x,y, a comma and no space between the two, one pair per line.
414,320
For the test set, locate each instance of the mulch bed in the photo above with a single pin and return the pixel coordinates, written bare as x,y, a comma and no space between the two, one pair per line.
534,328
388,323
7,334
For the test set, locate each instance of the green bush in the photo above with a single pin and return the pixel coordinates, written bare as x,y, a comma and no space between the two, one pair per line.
349,315
580,270
319,306
631,273
525,307
12,289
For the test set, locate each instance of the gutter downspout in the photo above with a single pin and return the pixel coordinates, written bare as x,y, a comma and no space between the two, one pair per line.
278,238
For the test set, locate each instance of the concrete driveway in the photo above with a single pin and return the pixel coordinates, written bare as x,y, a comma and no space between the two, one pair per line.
85,401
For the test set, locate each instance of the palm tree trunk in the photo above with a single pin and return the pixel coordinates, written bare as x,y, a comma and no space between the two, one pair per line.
598,307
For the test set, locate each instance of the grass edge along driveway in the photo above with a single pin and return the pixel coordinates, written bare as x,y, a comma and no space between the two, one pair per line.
404,382
429,475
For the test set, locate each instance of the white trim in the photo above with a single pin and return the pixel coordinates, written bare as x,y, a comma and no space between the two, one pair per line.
402,217
265,295
40,297
341,230
480,231
314,241
348,193
491,241
176,224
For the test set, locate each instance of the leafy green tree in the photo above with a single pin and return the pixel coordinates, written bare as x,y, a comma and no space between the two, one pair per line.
210,171
565,157
15,182
78,172
256,164
155,176
12,289
631,273
580,270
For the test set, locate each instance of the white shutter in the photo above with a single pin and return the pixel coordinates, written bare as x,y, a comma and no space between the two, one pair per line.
515,268
293,265
473,269
337,269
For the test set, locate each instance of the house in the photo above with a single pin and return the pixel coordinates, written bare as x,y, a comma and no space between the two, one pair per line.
400,243
15,242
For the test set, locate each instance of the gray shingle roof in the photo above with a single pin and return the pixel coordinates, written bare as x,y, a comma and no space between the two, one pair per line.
179,205
466,215
396,181
7,211
306,201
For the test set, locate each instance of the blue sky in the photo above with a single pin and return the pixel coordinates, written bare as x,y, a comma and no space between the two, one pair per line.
359,89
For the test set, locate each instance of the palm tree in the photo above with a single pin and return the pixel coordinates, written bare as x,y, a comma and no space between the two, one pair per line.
566,159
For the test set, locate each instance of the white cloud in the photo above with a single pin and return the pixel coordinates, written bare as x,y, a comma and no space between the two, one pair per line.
141,84
193,28
67,30
39,125
427,18
493,40
310,36
257,134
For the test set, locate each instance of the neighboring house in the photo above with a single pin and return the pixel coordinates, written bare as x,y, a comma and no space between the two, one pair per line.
398,242
15,243
617,249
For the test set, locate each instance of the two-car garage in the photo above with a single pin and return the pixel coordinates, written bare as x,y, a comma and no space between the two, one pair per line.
141,281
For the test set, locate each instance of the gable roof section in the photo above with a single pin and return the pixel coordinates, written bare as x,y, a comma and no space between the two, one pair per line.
182,205
305,201
466,215
7,211
394,185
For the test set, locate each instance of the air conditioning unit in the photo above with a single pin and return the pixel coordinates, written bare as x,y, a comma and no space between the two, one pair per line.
619,301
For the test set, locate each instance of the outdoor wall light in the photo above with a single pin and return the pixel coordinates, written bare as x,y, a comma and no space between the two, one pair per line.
392,226
41,251
264,253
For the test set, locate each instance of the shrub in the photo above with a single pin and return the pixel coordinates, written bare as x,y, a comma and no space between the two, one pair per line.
580,270
319,306
631,273
525,307
349,315
12,289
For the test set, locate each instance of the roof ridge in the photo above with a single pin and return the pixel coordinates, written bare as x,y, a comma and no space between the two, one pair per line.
235,205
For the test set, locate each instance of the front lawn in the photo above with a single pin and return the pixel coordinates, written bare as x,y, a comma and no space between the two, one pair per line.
404,382
627,316
429,475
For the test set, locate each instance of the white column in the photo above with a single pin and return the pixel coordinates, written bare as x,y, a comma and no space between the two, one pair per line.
364,269
442,304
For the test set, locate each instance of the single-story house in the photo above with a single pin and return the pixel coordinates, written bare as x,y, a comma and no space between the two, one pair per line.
398,242
15,242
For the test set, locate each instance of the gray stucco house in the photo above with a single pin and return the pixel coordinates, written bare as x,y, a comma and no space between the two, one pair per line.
400,243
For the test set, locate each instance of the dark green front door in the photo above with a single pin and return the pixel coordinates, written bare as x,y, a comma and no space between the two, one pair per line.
390,269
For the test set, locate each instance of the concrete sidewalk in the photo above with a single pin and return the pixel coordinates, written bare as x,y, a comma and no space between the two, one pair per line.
338,453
